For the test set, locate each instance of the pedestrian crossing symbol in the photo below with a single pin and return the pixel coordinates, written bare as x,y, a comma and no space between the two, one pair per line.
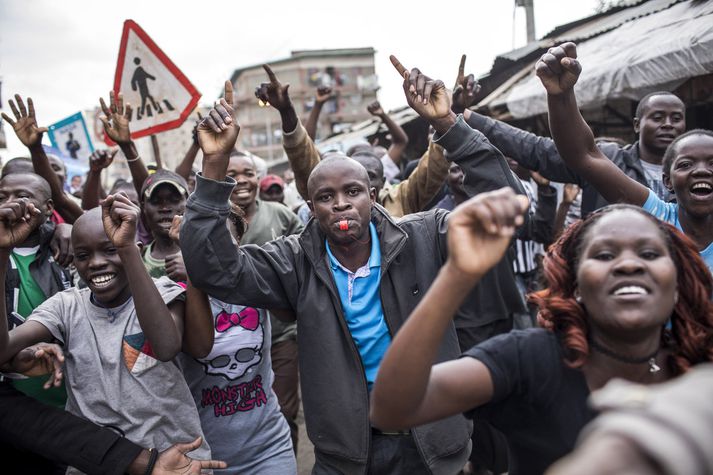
161,96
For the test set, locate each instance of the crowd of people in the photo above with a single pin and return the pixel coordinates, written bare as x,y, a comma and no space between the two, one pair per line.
442,316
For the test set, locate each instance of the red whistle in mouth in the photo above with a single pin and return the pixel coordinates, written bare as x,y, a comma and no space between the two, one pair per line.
343,225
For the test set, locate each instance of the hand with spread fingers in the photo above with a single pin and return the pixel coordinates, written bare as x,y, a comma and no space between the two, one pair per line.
558,69
41,359
120,217
116,118
218,131
428,97
174,461
480,230
465,89
18,219
25,123
274,92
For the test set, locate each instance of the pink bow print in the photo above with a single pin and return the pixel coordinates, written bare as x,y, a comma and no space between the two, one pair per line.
248,318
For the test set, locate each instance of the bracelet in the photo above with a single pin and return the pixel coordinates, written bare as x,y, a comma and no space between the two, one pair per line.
138,157
152,461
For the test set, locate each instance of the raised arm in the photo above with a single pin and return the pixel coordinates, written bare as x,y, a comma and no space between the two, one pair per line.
569,194
483,165
248,275
399,139
324,93
26,129
184,168
299,147
465,90
410,391
162,324
540,226
116,125
199,329
17,221
98,161
558,69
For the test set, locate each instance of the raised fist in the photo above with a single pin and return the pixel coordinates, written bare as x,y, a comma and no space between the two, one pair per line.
558,69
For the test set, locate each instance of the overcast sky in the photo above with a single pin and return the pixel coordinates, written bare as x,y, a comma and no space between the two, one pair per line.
63,53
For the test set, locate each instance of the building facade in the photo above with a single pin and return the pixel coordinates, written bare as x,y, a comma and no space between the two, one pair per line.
349,72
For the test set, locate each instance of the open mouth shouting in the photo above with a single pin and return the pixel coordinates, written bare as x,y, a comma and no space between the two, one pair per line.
701,189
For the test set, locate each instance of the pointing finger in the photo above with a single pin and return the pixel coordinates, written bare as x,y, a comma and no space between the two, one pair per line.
228,93
397,64
270,74
461,68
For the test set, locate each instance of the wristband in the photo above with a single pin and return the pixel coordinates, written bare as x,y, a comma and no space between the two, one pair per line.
133,159
152,461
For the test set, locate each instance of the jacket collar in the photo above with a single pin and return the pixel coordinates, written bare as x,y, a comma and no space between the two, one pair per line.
391,238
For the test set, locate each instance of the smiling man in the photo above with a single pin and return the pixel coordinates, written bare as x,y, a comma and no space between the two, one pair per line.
163,196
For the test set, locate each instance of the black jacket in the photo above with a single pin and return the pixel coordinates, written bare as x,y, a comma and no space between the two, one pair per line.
294,272
26,424
540,154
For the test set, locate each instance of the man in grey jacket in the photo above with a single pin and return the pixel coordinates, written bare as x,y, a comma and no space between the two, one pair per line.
660,118
351,278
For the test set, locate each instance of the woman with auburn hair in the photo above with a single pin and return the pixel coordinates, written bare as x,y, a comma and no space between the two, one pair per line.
616,281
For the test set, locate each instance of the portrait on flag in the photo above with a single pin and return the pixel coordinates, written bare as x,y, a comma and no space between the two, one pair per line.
71,137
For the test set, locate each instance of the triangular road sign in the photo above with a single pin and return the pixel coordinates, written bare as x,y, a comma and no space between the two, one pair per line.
161,96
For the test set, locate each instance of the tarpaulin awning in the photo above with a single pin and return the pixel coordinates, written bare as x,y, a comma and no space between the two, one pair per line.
658,51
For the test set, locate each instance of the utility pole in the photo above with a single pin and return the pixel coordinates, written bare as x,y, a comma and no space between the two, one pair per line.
529,17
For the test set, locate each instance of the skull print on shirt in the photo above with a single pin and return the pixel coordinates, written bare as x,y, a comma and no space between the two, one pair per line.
238,344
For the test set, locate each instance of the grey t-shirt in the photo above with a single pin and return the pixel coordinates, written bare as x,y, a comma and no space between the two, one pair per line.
112,378
232,387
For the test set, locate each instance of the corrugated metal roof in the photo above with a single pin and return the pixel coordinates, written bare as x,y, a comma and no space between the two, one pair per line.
589,27
360,131
608,21
598,28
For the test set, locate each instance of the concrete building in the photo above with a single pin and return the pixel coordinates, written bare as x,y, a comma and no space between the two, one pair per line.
350,73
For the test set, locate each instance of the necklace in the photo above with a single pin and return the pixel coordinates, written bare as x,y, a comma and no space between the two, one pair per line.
112,313
650,359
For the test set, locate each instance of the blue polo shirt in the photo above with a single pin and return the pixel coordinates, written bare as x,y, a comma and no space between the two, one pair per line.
361,304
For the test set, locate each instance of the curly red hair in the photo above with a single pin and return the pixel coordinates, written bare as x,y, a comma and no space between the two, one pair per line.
690,339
